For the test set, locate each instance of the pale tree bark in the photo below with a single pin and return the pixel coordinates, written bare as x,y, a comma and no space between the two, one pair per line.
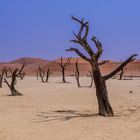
104,105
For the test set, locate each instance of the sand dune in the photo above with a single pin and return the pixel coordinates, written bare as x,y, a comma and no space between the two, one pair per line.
132,69
32,64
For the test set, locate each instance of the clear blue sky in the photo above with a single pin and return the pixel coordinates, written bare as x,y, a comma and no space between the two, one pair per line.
43,28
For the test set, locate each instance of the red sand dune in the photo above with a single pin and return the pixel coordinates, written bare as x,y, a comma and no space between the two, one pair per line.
32,64
56,70
132,68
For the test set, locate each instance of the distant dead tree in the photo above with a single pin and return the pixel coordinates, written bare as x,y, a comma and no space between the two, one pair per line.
122,73
77,73
104,105
37,74
44,74
3,71
63,67
48,74
15,73
41,74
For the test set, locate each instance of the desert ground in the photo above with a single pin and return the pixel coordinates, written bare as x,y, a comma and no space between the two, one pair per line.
58,111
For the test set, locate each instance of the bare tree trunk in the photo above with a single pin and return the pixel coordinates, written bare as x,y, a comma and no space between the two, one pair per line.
3,71
15,92
11,86
91,84
47,75
37,74
121,74
63,76
1,78
77,73
63,67
41,74
105,108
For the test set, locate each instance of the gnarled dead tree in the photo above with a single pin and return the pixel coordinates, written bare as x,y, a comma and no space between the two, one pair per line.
104,105
15,73
3,71
43,74
77,73
63,67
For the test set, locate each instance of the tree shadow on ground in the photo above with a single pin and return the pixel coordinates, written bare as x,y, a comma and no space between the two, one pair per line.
62,82
63,115
86,87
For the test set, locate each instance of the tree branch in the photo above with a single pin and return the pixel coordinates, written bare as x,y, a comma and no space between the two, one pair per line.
67,63
19,71
83,40
98,46
130,59
79,53
7,82
103,62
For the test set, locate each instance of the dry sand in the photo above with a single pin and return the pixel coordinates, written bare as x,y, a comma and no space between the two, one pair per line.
57,111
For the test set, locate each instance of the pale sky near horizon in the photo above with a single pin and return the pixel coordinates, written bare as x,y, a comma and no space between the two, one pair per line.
43,28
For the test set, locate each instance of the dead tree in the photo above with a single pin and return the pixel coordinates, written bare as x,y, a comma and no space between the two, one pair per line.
43,75
104,105
122,73
77,73
48,73
15,74
3,71
37,74
63,67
